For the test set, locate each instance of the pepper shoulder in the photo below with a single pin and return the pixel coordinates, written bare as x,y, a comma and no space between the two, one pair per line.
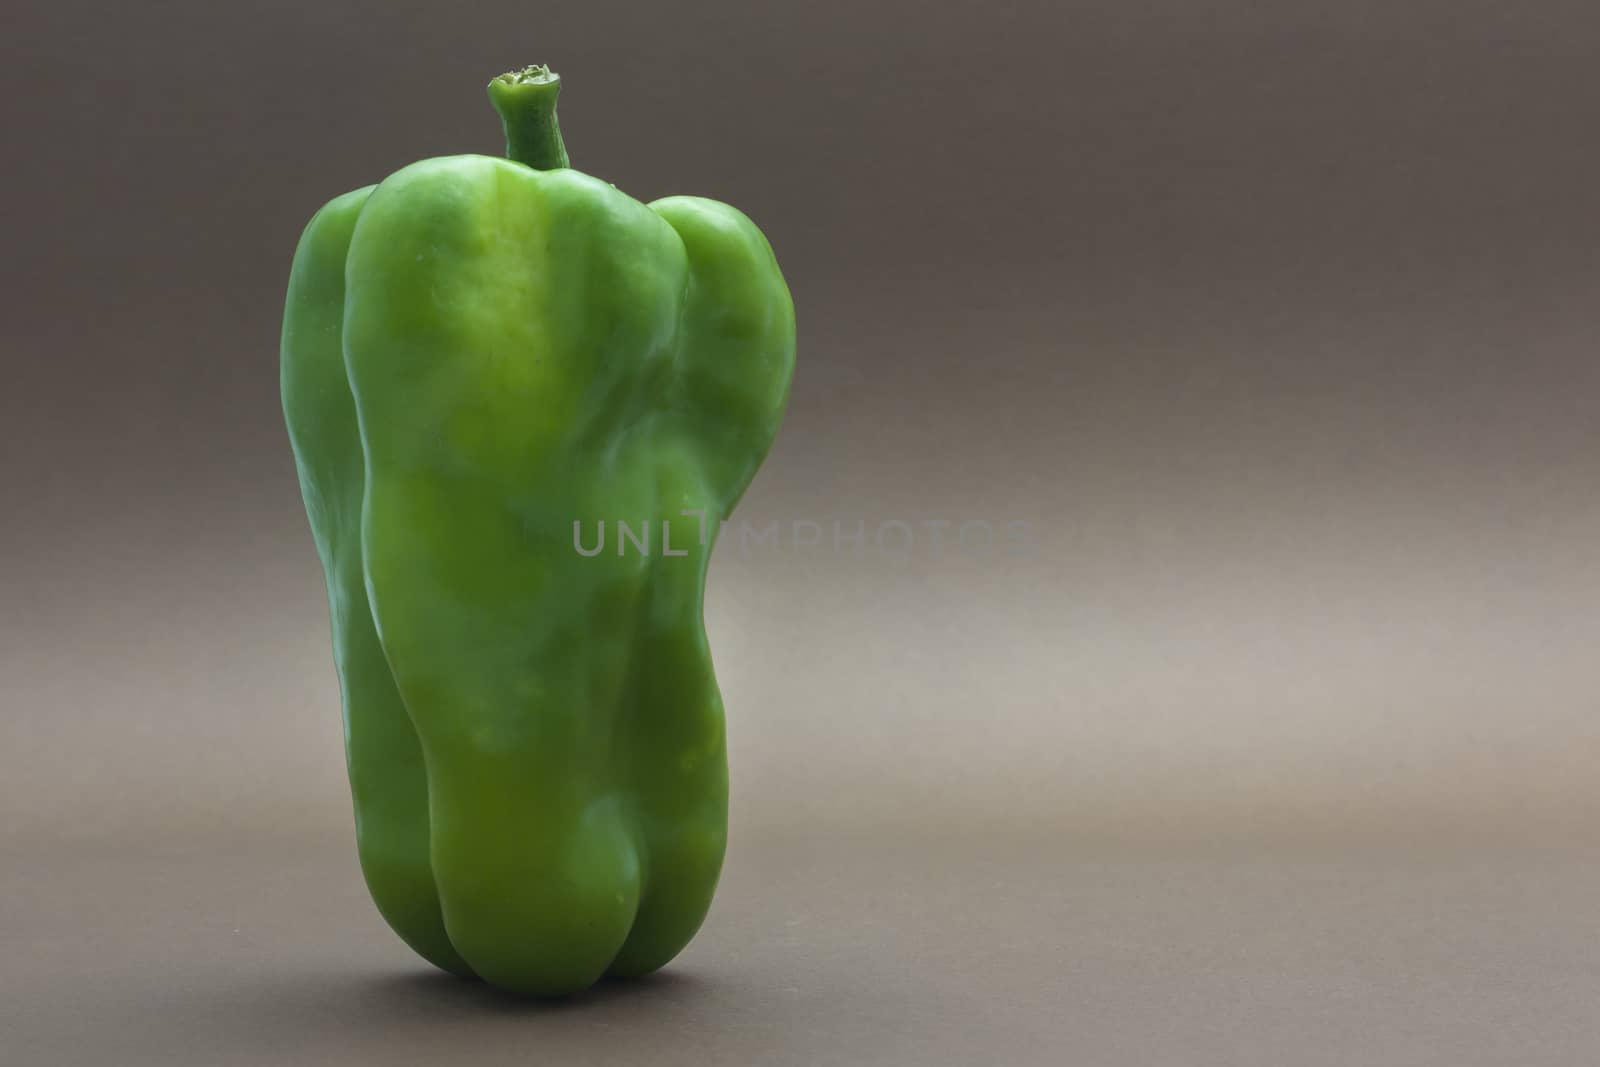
332,223
714,231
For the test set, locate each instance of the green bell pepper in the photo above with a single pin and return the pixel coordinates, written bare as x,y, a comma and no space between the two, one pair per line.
481,358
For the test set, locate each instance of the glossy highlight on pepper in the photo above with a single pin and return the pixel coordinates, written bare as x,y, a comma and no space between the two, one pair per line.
476,354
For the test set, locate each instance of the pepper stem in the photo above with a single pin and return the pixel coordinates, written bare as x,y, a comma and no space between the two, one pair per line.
526,101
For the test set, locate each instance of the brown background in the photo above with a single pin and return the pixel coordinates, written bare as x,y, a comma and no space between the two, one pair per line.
1277,743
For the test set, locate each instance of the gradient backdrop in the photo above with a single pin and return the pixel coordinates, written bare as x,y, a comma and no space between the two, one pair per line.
1274,323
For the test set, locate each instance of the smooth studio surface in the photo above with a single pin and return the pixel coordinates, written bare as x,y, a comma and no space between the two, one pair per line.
886,949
